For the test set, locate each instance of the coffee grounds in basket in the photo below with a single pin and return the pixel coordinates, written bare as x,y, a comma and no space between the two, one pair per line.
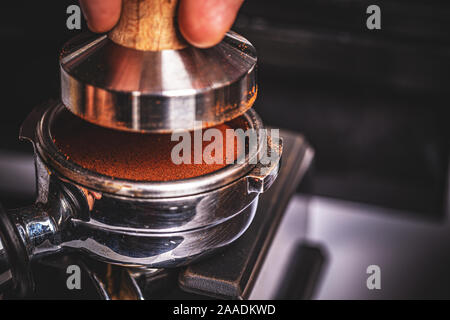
128,155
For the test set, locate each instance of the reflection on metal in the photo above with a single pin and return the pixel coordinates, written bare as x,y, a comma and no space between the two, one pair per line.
117,283
160,91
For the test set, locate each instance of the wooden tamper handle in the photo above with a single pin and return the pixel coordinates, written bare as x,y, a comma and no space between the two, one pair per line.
148,25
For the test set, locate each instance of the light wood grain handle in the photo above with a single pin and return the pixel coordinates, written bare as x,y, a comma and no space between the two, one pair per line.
148,25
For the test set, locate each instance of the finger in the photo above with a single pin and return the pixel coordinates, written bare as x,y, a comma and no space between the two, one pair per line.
101,15
204,23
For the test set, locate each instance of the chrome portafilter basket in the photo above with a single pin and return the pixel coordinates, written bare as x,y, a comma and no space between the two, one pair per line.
132,223
165,86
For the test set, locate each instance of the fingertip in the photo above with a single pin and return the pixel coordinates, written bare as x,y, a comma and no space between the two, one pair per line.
101,15
204,23
200,38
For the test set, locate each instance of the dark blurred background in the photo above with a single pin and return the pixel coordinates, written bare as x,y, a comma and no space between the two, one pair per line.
372,103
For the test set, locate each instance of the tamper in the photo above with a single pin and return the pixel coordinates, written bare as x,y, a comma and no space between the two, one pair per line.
143,76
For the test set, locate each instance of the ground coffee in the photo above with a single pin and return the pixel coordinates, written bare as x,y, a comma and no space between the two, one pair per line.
127,155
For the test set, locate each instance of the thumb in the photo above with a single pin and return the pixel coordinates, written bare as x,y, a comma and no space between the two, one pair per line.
101,15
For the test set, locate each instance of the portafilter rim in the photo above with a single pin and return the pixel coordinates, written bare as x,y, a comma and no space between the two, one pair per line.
95,181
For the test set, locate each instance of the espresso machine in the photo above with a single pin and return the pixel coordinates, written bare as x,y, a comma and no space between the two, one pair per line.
206,235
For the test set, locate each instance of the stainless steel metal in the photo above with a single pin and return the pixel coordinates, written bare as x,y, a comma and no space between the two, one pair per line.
122,88
6,276
147,224
15,274
137,247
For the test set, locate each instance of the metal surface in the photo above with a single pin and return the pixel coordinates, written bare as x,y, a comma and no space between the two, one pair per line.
122,88
15,275
155,283
302,276
6,276
139,247
233,273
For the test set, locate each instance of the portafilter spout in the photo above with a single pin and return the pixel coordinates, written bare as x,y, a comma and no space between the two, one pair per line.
144,77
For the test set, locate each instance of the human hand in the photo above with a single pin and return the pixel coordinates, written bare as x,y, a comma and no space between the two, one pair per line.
203,23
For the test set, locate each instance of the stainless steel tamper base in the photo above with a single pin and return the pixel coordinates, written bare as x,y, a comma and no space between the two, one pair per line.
158,91
131,223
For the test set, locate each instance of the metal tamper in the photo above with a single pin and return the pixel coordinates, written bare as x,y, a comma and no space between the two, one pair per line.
144,77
